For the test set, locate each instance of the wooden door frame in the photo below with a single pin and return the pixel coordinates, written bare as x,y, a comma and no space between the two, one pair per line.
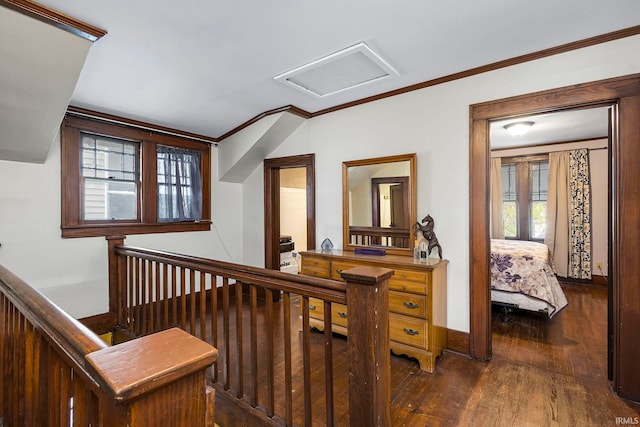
624,266
272,204
375,197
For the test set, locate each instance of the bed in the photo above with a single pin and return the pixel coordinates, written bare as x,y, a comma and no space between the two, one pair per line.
521,277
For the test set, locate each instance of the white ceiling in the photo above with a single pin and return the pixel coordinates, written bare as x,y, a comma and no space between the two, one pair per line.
565,126
208,66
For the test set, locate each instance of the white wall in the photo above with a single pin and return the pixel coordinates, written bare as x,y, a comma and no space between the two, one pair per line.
73,272
293,216
293,206
600,211
434,123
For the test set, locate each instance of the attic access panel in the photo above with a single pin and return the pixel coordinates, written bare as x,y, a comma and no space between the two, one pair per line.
346,69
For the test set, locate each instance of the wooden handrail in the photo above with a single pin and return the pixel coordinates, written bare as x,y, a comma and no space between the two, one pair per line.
218,302
331,290
57,372
63,330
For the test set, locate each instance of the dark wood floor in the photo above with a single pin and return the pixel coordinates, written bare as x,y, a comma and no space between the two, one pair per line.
543,373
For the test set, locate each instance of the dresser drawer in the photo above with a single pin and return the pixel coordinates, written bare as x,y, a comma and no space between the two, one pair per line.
409,304
408,330
409,281
315,267
337,267
316,308
339,314
414,288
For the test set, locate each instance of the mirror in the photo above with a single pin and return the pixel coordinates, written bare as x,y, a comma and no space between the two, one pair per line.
379,203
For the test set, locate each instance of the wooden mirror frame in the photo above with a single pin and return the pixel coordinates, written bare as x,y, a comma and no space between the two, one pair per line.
411,158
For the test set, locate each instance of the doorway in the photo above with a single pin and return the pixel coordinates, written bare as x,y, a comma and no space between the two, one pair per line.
290,170
624,93
579,331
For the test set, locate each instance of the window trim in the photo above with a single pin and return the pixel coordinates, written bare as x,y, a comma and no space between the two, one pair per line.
72,222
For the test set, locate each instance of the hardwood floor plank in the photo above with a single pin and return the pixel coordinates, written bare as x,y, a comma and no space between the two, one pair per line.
543,373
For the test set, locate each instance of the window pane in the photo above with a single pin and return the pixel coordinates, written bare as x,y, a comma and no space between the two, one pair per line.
509,183
88,142
538,220
539,181
510,219
108,158
110,200
509,201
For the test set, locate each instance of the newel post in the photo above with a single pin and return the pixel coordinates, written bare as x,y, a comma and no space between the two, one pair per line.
156,380
368,346
116,275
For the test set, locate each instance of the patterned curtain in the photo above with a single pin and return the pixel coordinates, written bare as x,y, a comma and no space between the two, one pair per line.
579,215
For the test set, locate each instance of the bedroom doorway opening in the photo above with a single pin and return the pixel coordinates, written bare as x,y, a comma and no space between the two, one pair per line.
624,268
289,209
530,200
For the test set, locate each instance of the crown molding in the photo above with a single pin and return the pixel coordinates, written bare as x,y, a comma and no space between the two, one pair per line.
55,18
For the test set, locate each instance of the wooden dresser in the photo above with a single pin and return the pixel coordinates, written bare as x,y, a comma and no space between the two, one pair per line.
417,300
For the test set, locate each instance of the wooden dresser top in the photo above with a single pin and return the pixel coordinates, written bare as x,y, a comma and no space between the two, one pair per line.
391,261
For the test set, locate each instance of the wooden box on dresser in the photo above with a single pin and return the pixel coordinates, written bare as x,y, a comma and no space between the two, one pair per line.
417,300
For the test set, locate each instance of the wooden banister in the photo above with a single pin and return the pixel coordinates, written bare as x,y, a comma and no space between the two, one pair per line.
56,324
384,236
217,302
321,288
55,371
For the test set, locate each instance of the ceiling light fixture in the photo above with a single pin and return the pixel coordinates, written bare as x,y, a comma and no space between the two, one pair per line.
518,128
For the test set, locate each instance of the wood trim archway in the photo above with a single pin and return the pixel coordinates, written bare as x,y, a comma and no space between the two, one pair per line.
624,92
272,204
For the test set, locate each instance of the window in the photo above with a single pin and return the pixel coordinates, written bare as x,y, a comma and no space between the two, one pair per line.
120,180
524,197
179,195
538,204
110,178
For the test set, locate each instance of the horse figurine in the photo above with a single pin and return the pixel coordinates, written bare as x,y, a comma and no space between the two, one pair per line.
426,228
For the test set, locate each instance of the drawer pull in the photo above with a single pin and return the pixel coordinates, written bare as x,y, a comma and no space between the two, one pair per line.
411,305
342,314
339,271
410,331
312,307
